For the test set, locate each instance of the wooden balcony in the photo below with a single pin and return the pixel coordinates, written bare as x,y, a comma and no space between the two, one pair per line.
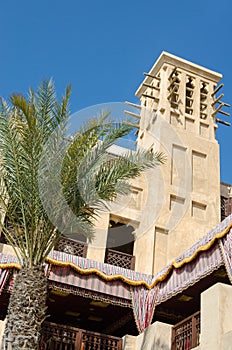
121,259
186,334
58,337
72,246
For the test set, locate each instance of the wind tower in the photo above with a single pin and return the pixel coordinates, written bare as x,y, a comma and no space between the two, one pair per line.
178,115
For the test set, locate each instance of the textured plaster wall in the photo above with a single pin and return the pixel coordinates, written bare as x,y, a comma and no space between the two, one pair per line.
2,326
155,337
216,325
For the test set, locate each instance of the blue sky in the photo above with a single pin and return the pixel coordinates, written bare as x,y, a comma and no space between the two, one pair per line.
103,47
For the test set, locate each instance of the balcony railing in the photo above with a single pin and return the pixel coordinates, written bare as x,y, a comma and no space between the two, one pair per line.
116,258
71,246
58,337
186,334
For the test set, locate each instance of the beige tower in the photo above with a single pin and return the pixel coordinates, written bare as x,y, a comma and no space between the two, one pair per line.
174,205
178,111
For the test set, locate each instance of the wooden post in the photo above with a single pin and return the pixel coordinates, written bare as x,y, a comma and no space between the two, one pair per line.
133,263
85,250
173,342
78,341
194,332
119,347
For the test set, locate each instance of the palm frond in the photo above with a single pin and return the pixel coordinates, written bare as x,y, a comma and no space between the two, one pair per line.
53,185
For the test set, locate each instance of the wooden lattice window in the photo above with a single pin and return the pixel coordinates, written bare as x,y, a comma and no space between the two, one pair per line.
71,246
61,337
116,258
186,334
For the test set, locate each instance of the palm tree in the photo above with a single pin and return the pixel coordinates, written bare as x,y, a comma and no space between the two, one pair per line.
52,184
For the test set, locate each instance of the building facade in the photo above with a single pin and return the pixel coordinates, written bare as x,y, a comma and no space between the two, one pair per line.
157,254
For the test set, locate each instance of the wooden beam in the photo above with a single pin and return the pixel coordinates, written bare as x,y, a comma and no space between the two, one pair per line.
217,100
133,125
151,76
225,113
222,122
226,104
218,110
132,104
132,114
217,89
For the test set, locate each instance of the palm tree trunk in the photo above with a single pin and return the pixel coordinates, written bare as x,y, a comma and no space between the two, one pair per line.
26,311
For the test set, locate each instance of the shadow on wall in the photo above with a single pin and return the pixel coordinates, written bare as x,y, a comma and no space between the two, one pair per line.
156,344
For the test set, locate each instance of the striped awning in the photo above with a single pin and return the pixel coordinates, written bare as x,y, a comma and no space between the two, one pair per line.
4,276
67,279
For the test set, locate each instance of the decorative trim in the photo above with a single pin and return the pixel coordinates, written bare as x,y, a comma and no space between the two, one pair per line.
203,248
83,293
11,266
225,261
